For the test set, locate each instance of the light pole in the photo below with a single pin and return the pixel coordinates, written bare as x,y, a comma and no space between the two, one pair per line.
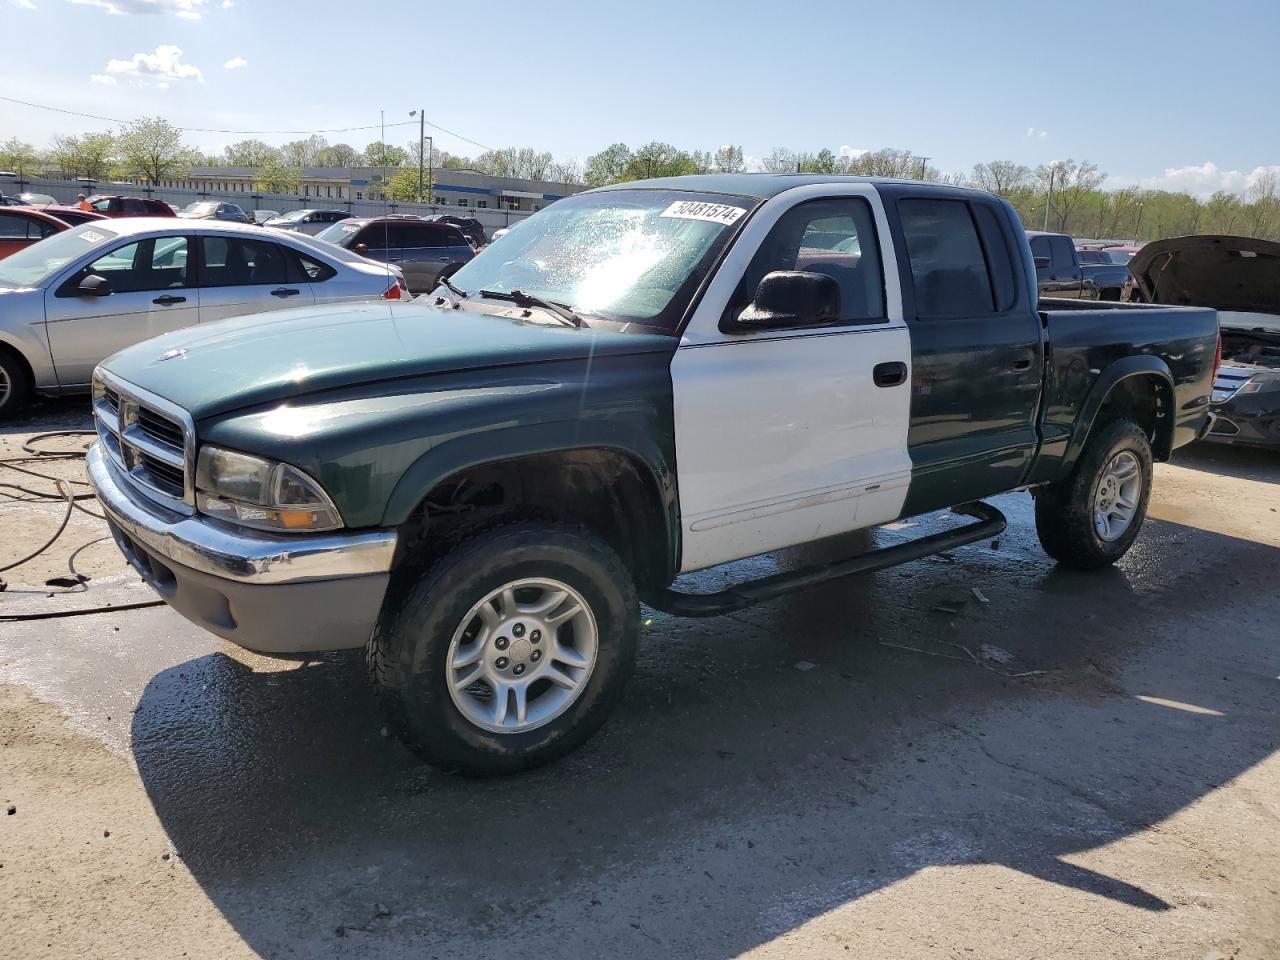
1137,230
423,138
1048,200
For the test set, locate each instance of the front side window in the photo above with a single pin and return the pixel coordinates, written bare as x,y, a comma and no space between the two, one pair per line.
152,264
14,226
948,271
1063,253
241,261
834,236
631,256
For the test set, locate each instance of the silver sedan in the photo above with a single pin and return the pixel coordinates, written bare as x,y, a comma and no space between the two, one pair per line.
77,297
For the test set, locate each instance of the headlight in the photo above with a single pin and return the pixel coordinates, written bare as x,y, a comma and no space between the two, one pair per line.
1260,383
261,493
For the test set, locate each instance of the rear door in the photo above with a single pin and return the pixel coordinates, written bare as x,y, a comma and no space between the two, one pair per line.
240,275
151,293
976,348
787,435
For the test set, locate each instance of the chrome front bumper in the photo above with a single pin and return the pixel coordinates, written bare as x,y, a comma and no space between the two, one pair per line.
273,594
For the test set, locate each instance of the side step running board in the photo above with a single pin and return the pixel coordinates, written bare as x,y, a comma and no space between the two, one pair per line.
990,523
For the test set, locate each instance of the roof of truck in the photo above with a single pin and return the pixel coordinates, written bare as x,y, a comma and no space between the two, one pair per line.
762,186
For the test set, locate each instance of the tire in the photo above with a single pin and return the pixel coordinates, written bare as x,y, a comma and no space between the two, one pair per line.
1067,512
15,384
435,619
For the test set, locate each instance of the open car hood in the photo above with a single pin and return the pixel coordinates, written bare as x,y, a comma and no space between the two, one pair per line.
1235,274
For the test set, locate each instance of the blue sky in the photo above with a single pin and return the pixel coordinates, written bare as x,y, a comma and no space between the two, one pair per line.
1175,94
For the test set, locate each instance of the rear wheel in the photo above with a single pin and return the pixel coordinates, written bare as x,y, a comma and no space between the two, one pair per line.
1092,518
509,651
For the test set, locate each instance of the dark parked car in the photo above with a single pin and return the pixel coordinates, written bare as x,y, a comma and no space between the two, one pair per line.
1240,278
421,248
214,210
130,207
71,216
20,227
1059,272
308,221
472,228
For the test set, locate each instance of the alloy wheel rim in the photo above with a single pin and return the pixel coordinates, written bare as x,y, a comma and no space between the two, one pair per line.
1115,503
522,655
5,386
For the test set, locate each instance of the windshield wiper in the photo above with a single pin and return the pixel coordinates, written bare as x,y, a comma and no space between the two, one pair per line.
521,299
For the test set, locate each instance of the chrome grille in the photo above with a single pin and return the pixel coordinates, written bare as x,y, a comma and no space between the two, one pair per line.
151,440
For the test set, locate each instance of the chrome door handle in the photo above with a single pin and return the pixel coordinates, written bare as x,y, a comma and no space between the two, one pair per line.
285,292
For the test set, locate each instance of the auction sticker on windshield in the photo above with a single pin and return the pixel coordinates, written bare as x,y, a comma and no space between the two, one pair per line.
92,236
722,213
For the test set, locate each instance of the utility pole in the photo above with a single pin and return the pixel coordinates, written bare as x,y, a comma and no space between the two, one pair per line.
422,131
431,170
1048,201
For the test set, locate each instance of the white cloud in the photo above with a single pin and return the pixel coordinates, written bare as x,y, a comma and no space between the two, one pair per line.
853,153
102,78
187,9
22,4
157,68
1201,180
235,63
1037,133
228,4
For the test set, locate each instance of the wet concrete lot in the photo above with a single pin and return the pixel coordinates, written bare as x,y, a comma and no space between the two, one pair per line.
845,772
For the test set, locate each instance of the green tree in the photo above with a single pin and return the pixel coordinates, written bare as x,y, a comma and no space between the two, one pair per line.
780,160
304,153
607,166
250,153
728,159
658,159
84,156
402,187
275,176
19,157
338,155
152,149
379,154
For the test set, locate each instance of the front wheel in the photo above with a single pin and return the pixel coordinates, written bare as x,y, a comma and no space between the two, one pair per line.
1092,518
509,651
14,384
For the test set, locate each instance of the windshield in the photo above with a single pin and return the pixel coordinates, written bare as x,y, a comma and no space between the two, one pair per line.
295,215
31,266
200,206
624,255
341,233
1119,256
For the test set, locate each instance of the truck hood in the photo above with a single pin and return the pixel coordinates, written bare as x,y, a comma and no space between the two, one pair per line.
272,357
1236,274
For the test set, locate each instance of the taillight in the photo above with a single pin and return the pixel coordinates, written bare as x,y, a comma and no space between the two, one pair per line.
393,292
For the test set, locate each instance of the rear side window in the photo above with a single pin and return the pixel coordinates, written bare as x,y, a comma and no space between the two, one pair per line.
134,207
1063,253
999,258
948,269
237,261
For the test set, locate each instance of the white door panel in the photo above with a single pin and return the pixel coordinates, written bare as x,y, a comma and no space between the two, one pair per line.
782,437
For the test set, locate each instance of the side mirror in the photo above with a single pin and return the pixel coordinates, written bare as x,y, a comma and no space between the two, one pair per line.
789,298
1042,263
362,249
94,286
449,270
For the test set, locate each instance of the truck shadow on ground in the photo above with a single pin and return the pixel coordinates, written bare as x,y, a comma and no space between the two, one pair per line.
764,769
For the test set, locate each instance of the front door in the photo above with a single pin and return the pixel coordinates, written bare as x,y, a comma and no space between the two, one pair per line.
240,275
1062,276
785,436
977,350
151,293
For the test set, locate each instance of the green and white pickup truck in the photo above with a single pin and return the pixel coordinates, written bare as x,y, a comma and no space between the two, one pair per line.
480,487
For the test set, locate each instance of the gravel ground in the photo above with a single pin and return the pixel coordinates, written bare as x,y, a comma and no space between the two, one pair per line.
827,775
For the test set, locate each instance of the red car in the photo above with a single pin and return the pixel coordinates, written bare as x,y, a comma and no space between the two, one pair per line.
130,207
72,216
22,226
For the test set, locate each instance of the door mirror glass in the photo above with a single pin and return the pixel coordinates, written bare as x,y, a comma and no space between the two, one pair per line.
362,249
94,286
791,298
1042,263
